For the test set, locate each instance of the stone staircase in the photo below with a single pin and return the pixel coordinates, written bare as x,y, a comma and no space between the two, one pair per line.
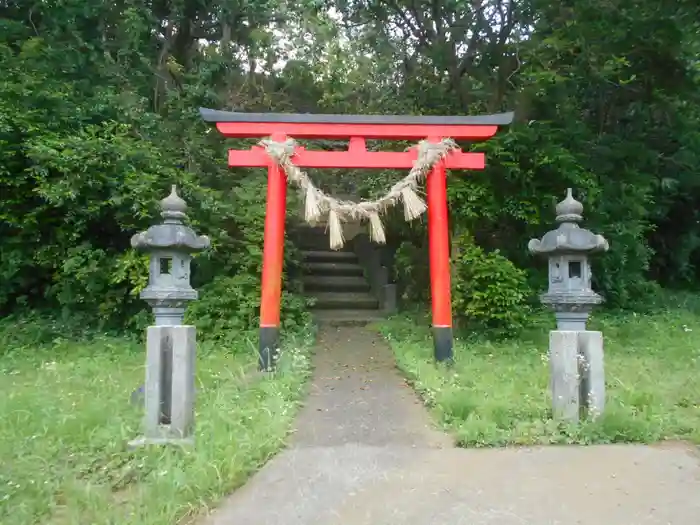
336,281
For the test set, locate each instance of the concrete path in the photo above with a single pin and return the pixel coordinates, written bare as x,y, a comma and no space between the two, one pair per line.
365,453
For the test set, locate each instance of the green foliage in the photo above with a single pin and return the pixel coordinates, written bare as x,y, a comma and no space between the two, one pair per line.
229,300
597,109
488,291
82,168
229,306
76,183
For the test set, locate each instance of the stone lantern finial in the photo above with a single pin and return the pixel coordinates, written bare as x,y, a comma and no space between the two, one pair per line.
173,207
569,210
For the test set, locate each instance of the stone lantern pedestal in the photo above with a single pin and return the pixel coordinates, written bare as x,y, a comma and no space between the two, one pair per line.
575,353
169,390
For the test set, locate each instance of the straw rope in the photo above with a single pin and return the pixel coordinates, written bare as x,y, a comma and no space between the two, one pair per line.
318,205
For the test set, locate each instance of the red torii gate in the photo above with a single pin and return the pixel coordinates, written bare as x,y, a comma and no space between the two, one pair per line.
356,128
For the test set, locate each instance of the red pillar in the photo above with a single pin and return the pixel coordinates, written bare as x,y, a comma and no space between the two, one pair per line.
273,261
439,246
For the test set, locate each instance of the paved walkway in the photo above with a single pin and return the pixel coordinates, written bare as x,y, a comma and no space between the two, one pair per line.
365,453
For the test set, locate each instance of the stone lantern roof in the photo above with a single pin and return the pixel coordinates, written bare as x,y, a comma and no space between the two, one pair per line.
569,237
172,234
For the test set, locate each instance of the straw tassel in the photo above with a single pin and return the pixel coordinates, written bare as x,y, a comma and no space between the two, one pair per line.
336,230
312,206
376,228
413,205
317,204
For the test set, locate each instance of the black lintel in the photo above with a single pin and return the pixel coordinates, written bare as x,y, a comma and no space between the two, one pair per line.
498,119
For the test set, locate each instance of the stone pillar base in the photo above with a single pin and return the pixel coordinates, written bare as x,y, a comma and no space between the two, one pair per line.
169,389
577,379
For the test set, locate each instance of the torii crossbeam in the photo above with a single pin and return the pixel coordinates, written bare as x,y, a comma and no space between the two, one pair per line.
357,129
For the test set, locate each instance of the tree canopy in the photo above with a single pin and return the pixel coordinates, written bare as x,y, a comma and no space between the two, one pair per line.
98,117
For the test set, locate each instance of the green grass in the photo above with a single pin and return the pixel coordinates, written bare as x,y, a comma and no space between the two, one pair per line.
65,420
497,393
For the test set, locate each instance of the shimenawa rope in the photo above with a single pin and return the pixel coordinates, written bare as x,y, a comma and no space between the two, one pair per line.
317,204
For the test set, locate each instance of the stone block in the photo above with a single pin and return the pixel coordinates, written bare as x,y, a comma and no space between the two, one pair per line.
564,374
183,391
389,299
592,372
169,389
577,374
382,275
571,321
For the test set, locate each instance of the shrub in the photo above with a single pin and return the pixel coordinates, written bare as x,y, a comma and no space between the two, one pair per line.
488,290
229,305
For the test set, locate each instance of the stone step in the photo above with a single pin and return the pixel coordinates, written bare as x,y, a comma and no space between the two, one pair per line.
344,301
332,268
316,246
312,240
329,256
347,317
335,283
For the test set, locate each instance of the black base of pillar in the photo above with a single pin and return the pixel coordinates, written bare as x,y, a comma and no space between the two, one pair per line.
268,350
442,344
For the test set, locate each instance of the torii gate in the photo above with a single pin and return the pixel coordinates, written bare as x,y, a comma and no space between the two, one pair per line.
355,128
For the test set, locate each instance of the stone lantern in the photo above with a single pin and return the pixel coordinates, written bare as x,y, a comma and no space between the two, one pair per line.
575,354
170,345
568,247
170,246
